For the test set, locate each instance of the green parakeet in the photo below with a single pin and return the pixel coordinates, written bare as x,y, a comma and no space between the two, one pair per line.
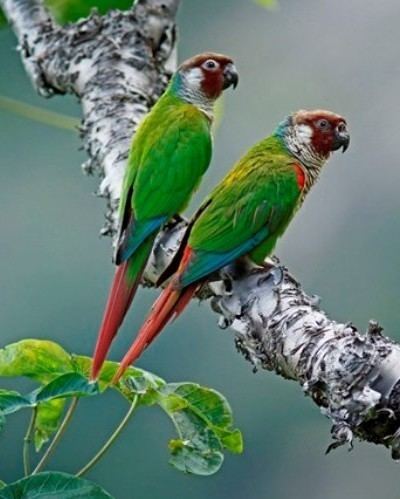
246,213
170,152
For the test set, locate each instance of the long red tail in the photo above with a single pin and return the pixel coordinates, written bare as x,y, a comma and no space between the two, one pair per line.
170,304
122,292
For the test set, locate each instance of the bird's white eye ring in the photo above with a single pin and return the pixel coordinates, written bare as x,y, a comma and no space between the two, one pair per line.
323,124
210,64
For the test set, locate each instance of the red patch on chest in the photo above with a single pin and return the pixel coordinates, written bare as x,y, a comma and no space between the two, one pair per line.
300,176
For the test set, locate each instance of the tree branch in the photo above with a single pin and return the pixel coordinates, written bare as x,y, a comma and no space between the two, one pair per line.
118,65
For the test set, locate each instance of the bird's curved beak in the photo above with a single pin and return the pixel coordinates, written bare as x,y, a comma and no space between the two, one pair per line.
231,76
342,138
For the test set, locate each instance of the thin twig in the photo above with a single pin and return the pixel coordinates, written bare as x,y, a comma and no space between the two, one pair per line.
57,436
39,114
110,441
27,442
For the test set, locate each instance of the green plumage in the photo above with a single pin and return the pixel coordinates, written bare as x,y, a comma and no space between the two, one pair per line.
247,212
170,153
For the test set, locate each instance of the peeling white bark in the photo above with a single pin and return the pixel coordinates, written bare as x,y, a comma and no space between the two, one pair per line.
118,65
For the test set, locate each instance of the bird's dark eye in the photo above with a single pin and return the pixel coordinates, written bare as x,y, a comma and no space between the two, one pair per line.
210,64
323,124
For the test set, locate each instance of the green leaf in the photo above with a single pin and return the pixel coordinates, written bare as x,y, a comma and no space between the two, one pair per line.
66,385
42,361
202,416
37,359
2,484
72,10
51,400
53,484
11,401
269,4
134,382
45,361
48,419
203,420
198,449
213,408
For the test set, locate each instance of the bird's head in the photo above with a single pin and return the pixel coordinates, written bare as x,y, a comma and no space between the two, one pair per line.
204,77
313,135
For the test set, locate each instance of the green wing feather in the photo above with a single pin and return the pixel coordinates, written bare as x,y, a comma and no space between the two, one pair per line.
175,153
247,211
170,153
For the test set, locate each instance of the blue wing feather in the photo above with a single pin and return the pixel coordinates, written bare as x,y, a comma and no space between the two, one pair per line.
205,263
135,234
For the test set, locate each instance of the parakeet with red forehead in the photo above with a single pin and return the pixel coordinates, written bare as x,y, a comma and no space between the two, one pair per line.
246,213
170,152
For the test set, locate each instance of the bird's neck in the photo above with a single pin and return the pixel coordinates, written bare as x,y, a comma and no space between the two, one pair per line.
192,94
297,142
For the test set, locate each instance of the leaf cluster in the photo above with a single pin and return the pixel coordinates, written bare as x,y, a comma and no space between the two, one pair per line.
201,416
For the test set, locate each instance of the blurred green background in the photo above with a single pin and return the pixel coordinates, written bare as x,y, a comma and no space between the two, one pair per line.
343,245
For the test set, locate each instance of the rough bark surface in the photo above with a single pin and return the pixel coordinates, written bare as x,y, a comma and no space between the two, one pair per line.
118,65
